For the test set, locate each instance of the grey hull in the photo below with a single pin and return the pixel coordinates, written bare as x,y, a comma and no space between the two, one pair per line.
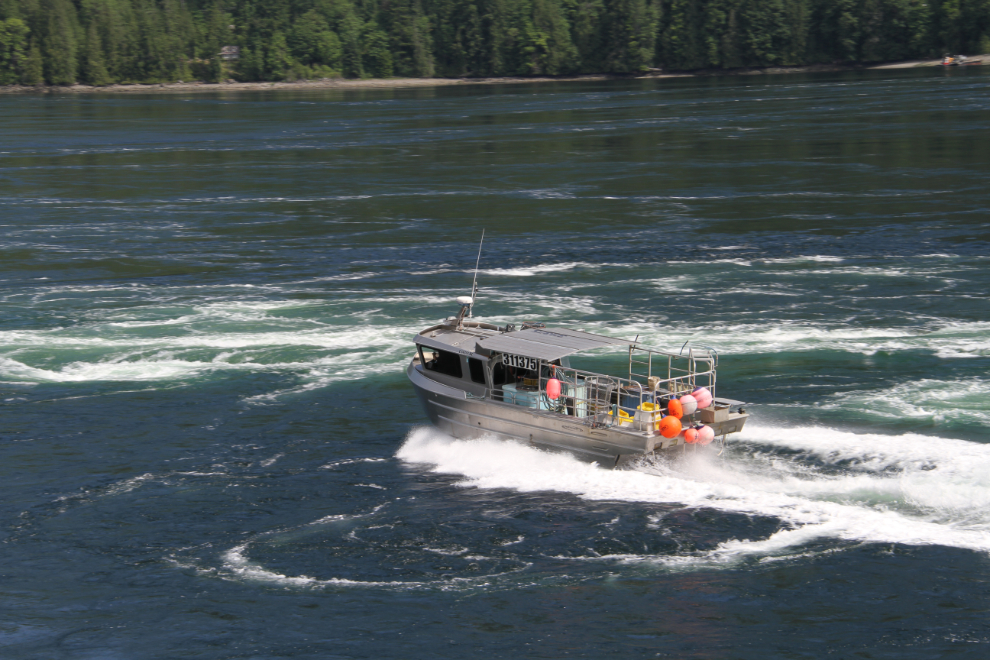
461,415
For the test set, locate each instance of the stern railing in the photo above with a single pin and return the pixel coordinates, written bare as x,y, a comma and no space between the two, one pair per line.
602,400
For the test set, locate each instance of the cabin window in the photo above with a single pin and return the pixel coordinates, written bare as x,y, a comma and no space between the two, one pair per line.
442,362
477,369
498,375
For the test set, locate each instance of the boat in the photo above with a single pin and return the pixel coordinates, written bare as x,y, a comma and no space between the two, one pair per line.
478,380
959,60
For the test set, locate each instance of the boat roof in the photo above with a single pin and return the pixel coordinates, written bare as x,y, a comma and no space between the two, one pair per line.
547,343
541,343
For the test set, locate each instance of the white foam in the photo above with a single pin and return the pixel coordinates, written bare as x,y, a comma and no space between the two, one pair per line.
908,489
736,262
926,400
816,258
945,339
236,562
237,566
268,462
348,516
351,461
535,270
354,351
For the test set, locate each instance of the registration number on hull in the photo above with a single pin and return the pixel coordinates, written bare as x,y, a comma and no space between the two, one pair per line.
520,362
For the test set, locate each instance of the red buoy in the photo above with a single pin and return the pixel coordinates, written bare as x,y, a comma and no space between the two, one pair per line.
553,389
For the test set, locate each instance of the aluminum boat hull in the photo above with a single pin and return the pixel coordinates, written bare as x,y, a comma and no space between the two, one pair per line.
462,415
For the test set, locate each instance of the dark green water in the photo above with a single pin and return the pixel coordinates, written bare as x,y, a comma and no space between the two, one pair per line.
208,448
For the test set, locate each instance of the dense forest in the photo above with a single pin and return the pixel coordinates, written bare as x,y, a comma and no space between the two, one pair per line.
60,42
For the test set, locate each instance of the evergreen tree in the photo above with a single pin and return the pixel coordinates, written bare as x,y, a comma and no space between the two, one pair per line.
682,45
718,47
94,71
630,35
251,66
765,32
10,9
352,60
377,59
58,42
277,59
547,40
408,30
13,50
143,41
215,35
33,73
585,17
312,42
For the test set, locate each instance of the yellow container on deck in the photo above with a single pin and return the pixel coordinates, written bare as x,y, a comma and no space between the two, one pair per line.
625,419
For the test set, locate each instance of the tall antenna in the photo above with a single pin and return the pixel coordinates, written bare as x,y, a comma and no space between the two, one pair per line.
474,285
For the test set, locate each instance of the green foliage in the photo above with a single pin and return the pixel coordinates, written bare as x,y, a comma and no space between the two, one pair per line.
277,60
349,29
13,50
681,43
33,73
765,32
408,30
94,71
376,56
134,41
312,42
546,40
58,41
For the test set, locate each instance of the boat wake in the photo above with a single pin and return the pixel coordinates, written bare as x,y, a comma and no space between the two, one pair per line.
825,487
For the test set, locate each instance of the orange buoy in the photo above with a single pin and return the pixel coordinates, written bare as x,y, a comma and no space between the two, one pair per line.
690,436
675,408
553,389
669,426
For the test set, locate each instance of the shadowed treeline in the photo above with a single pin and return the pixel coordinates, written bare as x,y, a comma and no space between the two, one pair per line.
98,42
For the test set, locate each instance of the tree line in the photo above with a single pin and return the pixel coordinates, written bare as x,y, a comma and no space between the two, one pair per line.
61,42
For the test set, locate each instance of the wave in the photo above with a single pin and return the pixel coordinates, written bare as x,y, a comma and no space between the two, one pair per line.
926,400
816,258
529,271
820,483
236,563
237,566
174,333
132,350
944,338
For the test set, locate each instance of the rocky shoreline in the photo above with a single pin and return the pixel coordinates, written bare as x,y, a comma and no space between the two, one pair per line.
400,83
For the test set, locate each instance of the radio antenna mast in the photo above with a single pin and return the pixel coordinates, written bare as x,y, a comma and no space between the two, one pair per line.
474,285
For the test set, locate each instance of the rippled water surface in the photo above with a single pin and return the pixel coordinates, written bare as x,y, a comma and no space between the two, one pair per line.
208,448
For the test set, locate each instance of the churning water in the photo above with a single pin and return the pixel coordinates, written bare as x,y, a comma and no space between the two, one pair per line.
209,448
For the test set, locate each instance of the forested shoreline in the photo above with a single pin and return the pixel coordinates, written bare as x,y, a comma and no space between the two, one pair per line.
100,42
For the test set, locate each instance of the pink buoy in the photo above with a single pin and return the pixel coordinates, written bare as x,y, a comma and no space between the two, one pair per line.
553,389
703,396
689,403
705,435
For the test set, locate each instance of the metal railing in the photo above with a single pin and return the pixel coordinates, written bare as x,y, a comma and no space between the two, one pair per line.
601,400
689,365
